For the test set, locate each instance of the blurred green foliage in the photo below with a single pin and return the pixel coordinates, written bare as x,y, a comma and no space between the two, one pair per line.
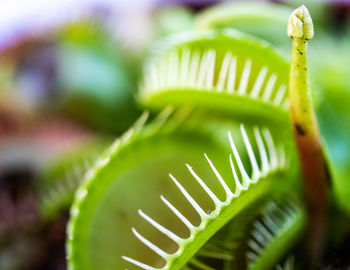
96,85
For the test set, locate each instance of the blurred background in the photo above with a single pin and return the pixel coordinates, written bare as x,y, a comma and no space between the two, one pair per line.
69,75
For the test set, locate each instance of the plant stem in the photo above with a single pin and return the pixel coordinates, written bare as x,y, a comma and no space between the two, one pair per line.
306,132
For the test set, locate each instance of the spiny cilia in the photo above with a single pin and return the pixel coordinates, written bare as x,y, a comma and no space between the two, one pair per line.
195,69
272,159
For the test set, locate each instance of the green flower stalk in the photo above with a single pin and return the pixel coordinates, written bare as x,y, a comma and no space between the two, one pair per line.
314,168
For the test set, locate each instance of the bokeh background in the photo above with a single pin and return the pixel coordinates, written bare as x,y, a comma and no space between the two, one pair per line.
69,76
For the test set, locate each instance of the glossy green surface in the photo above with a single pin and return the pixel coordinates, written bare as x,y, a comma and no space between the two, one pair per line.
224,71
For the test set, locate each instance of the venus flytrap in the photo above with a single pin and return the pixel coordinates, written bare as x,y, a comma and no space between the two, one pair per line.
133,178
129,215
227,72
248,188
101,219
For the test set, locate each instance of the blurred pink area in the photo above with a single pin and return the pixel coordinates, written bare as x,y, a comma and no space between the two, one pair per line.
26,139
21,20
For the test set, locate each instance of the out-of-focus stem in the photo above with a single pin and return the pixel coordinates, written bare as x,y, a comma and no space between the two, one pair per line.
314,168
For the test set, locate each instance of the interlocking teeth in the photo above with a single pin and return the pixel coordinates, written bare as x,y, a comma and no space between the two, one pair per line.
265,166
242,89
239,186
185,60
259,82
194,65
269,87
270,160
189,198
206,70
255,168
271,148
245,178
231,80
160,228
186,68
281,93
223,72
185,221
276,220
149,244
204,186
229,194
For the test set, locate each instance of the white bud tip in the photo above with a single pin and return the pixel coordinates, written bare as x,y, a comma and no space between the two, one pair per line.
300,24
